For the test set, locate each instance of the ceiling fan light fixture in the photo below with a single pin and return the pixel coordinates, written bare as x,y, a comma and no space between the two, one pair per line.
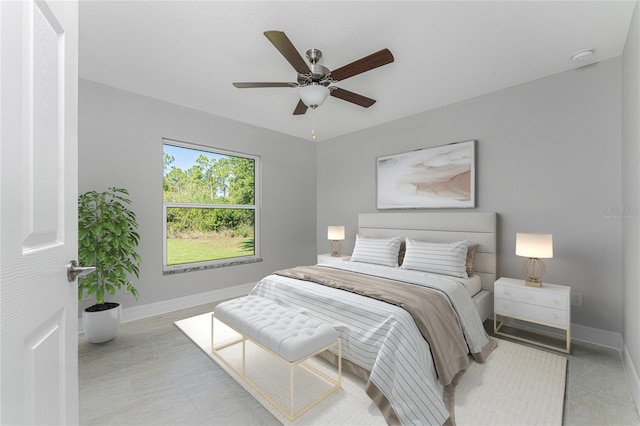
313,95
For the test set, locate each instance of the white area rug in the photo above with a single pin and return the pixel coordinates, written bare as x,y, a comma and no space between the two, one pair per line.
518,385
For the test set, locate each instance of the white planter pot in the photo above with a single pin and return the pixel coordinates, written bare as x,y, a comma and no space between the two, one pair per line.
101,326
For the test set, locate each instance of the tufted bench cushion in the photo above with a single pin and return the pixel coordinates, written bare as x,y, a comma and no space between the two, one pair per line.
290,333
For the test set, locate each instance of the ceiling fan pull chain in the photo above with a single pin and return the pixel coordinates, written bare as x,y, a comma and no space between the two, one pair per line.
312,116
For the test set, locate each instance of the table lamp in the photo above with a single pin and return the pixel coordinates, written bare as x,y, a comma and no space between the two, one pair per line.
534,247
335,234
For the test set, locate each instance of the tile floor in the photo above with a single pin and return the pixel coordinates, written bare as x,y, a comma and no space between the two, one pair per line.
151,374
597,389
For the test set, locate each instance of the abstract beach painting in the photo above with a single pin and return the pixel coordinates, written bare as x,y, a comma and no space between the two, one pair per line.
439,177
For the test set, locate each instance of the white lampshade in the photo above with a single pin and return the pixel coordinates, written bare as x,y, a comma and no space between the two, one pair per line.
313,95
534,245
335,233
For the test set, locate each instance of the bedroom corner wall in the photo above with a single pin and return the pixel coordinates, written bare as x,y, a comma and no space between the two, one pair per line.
120,144
631,200
548,160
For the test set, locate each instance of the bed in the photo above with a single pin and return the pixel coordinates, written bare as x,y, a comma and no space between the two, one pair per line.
411,380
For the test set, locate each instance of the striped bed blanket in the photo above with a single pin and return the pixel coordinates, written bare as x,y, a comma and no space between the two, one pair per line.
383,339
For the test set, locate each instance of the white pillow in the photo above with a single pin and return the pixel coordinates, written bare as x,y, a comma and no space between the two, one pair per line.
380,251
438,258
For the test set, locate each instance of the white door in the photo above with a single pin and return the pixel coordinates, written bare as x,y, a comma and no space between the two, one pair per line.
38,211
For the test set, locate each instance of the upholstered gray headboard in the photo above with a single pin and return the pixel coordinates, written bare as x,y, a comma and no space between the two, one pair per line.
478,227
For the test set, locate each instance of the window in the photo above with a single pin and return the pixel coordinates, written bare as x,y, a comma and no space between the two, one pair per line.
210,205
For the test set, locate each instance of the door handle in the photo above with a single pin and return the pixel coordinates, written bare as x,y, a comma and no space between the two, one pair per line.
74,270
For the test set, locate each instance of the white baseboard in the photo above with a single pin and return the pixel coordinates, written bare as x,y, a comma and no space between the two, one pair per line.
579,332
152,309
632,374
144,311
595,335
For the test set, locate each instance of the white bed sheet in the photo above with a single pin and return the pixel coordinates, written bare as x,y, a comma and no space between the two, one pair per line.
473,284
383,338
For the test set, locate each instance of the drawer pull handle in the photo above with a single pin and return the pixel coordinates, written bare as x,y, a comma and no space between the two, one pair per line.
506,293
555,316
555,301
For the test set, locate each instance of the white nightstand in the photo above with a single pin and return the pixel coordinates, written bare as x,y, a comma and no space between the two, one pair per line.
548,306
327,258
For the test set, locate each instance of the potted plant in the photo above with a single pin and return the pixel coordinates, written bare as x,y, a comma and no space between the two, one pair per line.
107,239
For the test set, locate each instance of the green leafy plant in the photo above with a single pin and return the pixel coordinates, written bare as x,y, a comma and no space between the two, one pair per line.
107,239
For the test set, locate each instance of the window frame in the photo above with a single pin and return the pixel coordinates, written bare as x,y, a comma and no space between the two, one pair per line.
256,207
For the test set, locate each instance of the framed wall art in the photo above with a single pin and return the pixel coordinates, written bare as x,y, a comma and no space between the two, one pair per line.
439,177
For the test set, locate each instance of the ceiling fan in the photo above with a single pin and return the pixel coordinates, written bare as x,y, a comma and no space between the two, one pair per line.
314,80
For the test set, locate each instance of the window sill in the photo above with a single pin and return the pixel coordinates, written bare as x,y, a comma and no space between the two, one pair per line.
192,268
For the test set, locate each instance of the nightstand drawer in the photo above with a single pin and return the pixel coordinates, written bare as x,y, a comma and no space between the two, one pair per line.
533,296
529,312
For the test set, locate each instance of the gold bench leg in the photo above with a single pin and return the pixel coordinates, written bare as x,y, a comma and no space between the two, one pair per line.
291,390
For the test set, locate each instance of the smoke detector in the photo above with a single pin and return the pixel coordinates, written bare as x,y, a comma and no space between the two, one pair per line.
582,55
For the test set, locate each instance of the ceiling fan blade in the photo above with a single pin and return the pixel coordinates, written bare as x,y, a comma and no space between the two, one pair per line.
354,98
301,108
281,42
251,85
375,60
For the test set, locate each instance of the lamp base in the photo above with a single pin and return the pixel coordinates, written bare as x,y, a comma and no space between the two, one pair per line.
335,248
534,269
532,283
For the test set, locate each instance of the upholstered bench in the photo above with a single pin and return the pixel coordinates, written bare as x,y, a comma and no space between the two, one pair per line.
291,335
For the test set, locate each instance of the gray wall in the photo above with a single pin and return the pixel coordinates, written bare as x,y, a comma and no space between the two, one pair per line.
549,155
548,160
631,191
120,144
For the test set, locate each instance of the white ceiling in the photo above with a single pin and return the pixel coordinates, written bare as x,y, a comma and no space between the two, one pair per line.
189,52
